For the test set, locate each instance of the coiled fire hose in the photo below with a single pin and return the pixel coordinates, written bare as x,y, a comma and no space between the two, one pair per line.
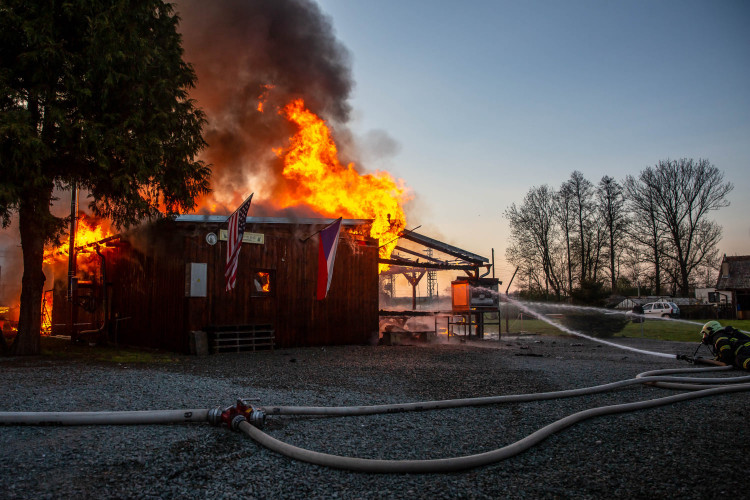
249,418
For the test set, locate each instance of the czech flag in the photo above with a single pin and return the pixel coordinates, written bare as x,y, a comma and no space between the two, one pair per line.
329,240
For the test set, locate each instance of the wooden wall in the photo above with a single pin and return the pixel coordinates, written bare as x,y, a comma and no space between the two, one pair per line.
148,286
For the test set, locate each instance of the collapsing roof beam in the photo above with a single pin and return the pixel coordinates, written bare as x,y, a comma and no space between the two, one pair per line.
396,261
420,255
476,260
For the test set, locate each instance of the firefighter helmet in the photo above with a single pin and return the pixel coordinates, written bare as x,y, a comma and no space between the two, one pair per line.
708,329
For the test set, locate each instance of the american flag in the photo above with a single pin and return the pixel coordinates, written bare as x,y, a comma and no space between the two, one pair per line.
235,232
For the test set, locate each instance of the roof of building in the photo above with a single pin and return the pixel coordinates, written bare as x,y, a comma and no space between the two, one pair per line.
737,276
270,220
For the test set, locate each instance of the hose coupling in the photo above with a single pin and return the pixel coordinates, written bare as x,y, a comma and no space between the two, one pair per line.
237,420
214,416
233,415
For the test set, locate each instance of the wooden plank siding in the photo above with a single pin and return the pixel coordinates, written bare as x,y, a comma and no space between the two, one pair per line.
147,273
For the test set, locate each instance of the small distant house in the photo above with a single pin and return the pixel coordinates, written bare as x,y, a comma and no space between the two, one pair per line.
734,283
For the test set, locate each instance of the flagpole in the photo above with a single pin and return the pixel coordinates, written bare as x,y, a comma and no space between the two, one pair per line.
235,230
235,211
322,229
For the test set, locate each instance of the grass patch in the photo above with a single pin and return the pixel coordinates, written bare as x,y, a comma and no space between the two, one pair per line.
680,331
676,330
664,330
62,349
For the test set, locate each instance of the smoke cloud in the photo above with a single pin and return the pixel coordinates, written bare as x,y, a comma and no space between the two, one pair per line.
251,52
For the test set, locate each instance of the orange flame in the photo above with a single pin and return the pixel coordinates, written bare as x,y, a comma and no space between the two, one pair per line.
265,281
47,313
263,97
88,230
322,182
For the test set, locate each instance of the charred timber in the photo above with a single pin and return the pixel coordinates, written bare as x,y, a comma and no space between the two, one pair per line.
409,314
100,242
459,253
420,255
394,261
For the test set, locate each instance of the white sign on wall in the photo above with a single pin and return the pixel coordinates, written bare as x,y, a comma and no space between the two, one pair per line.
255,238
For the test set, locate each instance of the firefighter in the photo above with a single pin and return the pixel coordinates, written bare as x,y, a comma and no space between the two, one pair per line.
729,345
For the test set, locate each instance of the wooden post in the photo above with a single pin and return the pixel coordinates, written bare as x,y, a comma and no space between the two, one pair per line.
507,327
414,278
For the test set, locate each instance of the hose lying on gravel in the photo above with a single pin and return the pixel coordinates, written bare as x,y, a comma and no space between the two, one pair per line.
701,387
643,378
102,417
470,461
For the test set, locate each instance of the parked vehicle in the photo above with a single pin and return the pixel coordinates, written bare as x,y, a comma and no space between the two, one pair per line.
662,309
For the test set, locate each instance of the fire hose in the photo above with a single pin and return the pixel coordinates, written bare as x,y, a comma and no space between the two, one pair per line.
248,417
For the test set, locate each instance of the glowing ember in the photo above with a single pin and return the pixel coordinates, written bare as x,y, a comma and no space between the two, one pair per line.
88,230
263,97
322,182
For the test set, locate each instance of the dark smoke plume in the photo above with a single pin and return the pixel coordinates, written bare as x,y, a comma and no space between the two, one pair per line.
240,48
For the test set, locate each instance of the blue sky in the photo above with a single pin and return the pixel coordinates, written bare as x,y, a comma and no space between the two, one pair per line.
479,101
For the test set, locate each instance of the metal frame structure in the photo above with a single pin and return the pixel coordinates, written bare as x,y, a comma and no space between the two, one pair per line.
416,264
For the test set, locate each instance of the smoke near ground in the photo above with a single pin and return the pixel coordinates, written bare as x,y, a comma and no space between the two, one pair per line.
259,52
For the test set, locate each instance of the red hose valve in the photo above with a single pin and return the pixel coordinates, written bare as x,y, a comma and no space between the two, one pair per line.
233,415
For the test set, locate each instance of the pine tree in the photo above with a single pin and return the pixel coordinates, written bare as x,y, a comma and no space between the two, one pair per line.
92,94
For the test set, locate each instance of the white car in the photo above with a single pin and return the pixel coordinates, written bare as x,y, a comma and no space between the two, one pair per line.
662,309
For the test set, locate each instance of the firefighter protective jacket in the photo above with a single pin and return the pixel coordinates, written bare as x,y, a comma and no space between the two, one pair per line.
731,347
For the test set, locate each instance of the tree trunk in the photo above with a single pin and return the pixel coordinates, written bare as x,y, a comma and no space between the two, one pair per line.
657,270
3,344
33,218
685,281
570,264
612,259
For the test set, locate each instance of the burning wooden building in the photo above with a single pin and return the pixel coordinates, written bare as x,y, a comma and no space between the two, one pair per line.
155,286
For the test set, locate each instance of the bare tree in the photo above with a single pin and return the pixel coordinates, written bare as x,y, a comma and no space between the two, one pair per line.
646,231
634,265
534,234
527,265
615,219
565,218
685,192
589,233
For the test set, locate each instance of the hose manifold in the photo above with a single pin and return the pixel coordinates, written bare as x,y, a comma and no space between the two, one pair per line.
244,410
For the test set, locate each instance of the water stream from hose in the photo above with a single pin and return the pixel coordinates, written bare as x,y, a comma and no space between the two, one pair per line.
570,331
579,334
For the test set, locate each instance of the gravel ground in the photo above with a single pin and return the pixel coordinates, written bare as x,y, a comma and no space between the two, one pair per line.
666,452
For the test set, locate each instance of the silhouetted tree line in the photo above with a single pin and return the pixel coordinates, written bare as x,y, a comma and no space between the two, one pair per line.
648,234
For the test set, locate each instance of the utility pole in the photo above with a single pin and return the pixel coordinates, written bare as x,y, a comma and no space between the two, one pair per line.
431,279
72,280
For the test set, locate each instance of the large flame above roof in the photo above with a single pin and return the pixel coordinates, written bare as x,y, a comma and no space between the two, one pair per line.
320,181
